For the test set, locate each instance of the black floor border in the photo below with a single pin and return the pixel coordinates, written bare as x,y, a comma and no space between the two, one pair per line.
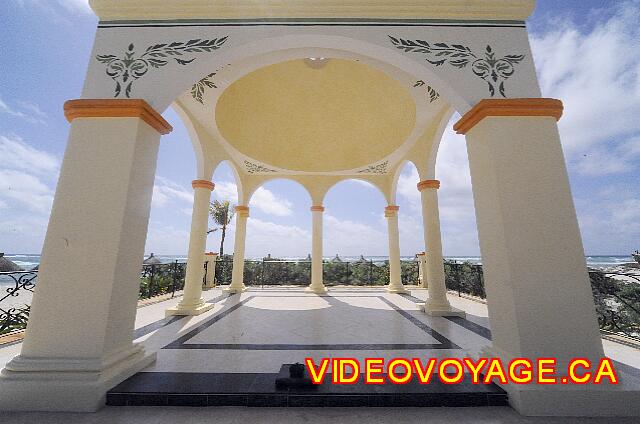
480,330
156,325
180,343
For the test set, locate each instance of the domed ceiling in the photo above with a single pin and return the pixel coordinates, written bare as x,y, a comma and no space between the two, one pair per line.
316,116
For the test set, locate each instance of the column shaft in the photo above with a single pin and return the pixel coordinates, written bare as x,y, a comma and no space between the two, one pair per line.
78,342
317,284
237,275
437,302
395,277
192,302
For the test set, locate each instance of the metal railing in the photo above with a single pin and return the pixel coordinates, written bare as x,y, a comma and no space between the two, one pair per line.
616,294
273,272
159,279
14,311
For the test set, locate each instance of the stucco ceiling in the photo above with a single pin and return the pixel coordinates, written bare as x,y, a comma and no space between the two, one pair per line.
340,116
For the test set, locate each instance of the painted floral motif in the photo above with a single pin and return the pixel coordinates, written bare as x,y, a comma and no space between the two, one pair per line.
433,94
490,68
131,67
198,89
380,168
253,168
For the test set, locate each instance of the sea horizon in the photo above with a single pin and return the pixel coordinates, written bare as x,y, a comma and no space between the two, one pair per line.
28,261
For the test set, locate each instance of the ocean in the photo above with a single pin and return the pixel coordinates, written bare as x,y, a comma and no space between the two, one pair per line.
27,261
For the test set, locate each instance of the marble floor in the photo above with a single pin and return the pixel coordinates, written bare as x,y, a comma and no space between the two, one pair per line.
257,331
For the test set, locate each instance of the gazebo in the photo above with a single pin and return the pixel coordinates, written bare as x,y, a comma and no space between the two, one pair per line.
316,92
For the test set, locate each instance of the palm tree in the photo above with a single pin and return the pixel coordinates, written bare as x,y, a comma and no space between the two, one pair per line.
221,215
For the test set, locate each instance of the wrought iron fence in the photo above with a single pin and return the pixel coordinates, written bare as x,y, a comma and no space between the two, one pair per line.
273,272
464,277
159,279
616,295
13,312
617,300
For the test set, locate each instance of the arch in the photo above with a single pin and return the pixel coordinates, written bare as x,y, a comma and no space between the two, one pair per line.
396,177
251,189
203,171
289,47
435,146
385,196
236,175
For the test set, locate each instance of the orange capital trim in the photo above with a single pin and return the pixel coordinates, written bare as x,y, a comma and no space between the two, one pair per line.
428,184
421,254
211,254
391,210
242,208
116,108
203,184
317,208
508,107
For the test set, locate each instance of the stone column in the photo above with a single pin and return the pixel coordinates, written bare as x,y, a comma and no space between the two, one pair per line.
538,292
192,302
210,258
316,286
237,275
395,280
437,303
79,340
422,275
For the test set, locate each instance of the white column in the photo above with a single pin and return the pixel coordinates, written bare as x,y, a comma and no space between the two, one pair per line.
538,293
237,274
78,342
317,285
437,303
395,279
210,258
192,302
422,274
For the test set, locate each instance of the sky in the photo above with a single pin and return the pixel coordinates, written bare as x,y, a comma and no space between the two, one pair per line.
587,53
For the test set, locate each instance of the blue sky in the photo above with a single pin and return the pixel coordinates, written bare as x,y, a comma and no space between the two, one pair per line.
587,54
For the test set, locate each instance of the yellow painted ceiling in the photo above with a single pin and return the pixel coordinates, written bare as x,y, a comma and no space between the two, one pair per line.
341,116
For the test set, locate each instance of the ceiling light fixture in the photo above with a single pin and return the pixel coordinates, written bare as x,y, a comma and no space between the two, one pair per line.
316,62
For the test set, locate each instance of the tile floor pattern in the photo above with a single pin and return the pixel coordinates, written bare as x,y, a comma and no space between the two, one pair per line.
259,330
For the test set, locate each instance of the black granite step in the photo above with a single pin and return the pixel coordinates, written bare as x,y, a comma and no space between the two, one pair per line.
253,389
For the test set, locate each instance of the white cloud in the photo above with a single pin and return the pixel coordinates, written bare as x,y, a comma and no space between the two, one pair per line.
167,240
23,170
26,189
349,238
30,112
407,187
226,190
166,191
54,6
597,76
264,200
16,154
76,5
279,240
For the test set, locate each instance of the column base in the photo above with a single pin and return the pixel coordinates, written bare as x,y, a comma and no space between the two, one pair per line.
208,287
399,289
571,400
235,289
67,384
189,310
439,310
316,289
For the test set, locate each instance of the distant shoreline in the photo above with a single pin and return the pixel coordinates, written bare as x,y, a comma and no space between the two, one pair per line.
28,261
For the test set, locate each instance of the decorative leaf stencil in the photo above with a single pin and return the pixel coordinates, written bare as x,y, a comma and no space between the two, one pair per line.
494,71
130,67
